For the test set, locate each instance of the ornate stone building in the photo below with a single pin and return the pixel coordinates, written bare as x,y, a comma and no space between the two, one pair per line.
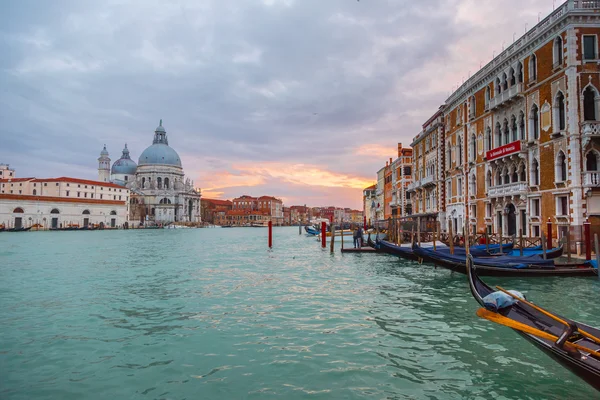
160,193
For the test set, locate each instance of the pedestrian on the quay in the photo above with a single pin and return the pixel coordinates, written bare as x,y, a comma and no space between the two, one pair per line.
355,237
359,233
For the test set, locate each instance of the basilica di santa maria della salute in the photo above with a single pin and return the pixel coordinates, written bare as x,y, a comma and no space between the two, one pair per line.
159,190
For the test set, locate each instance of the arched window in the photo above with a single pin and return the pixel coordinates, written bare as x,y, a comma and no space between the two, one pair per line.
522,125
498,177
520,72
166,183
498,86
534,123
18,210
472,106
473,147
535,172
143,182
558,51
506,176
498,135
488,139
532,68
449,154
54,211
513,128
589,104
473,185
522,176
487,96
489,179
511,77
34,192
561,167
504,82
159,183
86,212
559,112
515,176
506,132
113,212
591,161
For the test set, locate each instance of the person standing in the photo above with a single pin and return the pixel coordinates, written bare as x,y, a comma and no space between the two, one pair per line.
355,237
359,233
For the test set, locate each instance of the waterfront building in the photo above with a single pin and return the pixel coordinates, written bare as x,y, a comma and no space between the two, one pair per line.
287,216
518,144
300,214
427,189
379,201
387,189
58,202
370,203
160,191
266,205
401,179
210,208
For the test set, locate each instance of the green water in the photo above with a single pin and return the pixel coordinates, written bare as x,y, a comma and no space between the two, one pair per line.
211,314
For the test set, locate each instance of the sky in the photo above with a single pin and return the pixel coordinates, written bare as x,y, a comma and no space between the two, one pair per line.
299,99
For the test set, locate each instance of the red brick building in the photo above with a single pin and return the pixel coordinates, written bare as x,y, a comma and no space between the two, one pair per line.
210,207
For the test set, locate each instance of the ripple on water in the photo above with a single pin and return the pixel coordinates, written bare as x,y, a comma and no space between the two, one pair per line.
211,314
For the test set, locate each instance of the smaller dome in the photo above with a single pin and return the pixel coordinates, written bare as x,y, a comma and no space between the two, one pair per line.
104,152
160,127
124,165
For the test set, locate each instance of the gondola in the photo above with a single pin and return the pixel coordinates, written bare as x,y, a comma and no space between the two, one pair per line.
311,231
394,249
578,361
21,229
507,265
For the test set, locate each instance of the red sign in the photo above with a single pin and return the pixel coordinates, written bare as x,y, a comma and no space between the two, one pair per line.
503,150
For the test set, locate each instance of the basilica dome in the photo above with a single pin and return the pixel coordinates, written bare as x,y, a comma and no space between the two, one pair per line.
160,153
124,165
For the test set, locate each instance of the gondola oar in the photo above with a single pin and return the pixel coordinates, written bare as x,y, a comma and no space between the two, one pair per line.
502,320
548,314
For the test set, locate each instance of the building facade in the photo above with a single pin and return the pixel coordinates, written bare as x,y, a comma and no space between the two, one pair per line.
160,192
518,144
54,203
401,203
212,207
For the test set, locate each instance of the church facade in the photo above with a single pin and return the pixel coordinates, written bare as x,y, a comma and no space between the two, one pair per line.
160,192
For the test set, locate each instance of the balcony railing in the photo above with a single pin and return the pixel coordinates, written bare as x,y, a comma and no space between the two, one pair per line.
506,95
428,180
590,128
591,179
509,189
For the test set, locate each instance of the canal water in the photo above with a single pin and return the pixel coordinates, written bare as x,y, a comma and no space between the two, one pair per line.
212,314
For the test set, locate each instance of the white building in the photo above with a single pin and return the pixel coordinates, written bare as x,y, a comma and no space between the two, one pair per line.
160,192
60,202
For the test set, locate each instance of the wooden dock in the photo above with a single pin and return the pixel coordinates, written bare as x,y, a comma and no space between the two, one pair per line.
365,249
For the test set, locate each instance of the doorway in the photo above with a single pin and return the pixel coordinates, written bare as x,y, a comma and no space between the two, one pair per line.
511,220
18,222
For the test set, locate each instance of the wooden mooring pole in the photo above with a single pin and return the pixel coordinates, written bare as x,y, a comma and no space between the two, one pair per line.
597,249
451,237
270,234
323,234
332,237
521,242
588,239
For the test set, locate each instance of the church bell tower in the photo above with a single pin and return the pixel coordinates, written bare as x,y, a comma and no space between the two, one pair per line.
104,166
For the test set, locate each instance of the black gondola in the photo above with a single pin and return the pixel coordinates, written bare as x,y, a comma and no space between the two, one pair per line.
586,366
508,265
394,249
22,229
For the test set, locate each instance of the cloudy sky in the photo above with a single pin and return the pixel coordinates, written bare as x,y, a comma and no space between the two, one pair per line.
300,99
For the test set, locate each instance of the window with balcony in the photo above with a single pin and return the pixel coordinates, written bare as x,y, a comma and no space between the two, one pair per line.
488,179
511,77
513,128
589,47
448,155
460,151
498,135
590,103
472,108
504,81
487,97
591,161
520,72
534,123
488,210
506,176
522,125
535,172
522,175
498,178
559,113
473,185
562,205
498,86
558,52
488,139
561,167
449,189
34,192
506,132
532,68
